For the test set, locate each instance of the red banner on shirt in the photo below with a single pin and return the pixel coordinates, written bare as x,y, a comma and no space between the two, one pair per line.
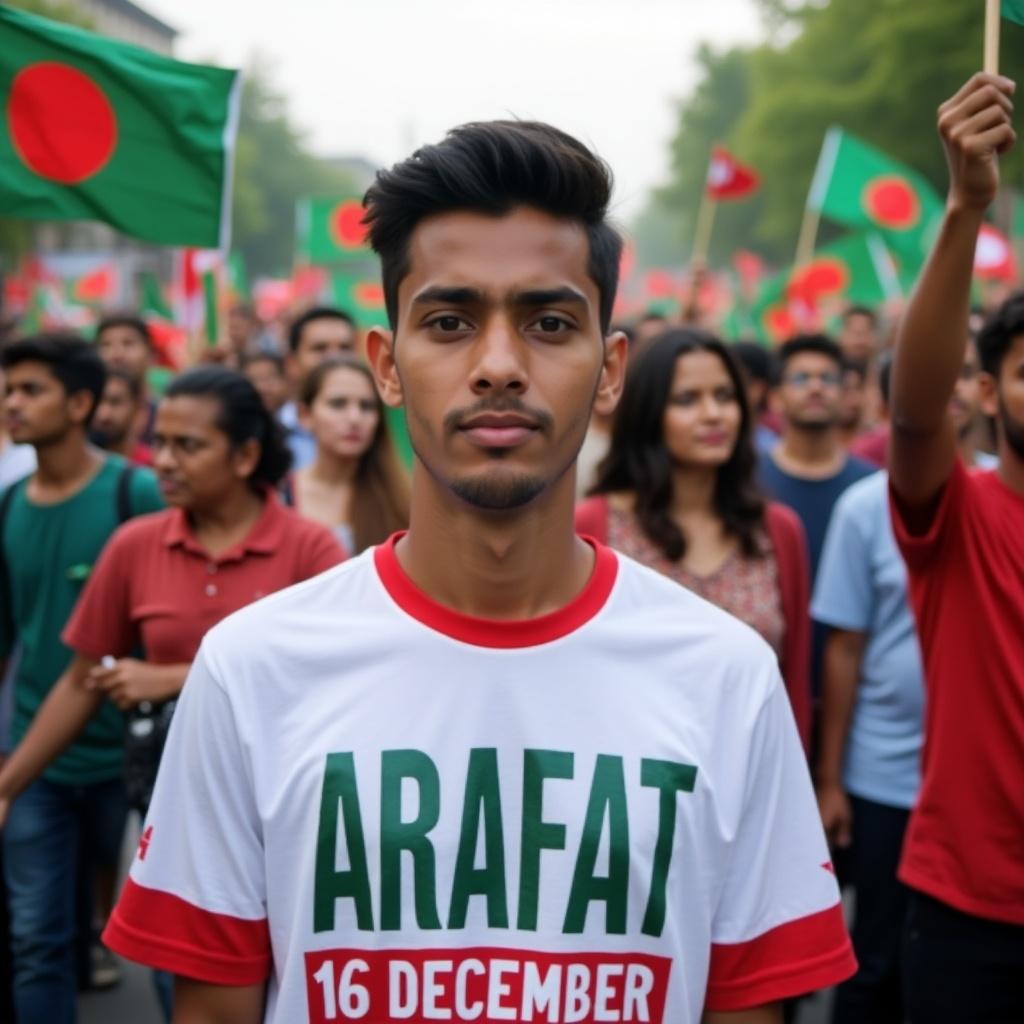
485,984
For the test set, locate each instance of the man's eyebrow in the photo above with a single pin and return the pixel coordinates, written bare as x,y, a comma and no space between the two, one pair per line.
550,297
448,296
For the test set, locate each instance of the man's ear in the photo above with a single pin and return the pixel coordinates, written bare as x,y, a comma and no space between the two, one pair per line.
380,352
81,404
613,374
988,394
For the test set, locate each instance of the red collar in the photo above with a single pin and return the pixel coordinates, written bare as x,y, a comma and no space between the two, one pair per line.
480,632
263,539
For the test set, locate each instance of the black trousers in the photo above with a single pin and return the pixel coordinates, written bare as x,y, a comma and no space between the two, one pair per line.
960,969
875,993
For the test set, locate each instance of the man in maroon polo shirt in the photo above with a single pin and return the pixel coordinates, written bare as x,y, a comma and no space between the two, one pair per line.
962,535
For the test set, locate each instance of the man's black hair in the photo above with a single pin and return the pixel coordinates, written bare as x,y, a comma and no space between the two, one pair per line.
1001,329
124,318
492,167
298,325
822,344
758,362
852,311
73,362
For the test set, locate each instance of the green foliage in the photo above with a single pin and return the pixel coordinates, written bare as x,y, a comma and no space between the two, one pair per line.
273,169
879,70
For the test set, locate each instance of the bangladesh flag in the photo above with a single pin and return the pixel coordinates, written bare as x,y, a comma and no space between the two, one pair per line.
331,230
101,130
1013,10
858,185
361,297
858,268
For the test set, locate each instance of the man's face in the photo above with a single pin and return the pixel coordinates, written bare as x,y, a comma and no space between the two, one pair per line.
858,339
37,409
810,395
322,339
498,354
1003,397
117,414
270,382
122,348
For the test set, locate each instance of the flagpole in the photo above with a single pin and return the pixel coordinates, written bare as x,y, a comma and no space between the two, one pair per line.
702,232
993,14
808,236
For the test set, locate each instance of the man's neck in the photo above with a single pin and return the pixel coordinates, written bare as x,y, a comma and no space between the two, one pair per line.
506,566
64,466
125,447
811,454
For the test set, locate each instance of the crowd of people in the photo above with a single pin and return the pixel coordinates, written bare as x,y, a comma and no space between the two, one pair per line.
855,500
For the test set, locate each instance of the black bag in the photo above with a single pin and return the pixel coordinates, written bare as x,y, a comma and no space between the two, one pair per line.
145,733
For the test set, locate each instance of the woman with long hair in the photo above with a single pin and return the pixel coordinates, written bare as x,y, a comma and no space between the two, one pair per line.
355,484
165,579
677,493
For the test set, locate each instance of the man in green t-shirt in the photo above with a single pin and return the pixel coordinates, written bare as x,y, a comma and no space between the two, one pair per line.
53,526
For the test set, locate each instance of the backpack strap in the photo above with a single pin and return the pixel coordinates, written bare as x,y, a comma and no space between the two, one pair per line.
124,494
6,602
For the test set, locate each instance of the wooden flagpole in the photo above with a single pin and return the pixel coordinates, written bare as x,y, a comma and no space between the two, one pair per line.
993,14
808,236
703,229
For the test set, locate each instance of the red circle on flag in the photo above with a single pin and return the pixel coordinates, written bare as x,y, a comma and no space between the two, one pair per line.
62,125
891,202
824,276
346,225
369,294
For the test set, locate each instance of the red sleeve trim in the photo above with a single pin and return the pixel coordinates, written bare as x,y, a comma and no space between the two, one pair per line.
161,930
922,544
797,957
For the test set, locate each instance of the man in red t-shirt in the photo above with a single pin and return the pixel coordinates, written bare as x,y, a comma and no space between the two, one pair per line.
962,535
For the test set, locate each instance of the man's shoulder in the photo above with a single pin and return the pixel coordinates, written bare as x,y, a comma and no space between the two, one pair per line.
857,469
865,495
673,611
323,603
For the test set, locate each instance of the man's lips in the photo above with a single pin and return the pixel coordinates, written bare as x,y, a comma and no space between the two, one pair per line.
497,430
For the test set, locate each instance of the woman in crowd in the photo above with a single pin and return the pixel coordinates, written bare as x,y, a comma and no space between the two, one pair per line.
676,492
355,485
164,579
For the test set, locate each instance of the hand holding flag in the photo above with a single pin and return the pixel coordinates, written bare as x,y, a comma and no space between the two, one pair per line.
975,128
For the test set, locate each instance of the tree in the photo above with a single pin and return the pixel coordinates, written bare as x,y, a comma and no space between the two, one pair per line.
878,70
664,230
273,169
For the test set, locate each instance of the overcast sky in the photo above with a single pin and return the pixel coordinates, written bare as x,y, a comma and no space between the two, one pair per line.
377,77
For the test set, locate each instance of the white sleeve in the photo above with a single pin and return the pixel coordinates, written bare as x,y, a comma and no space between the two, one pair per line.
778,929
194,903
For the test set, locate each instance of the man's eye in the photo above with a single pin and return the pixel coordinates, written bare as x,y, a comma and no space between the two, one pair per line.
552,324
447,323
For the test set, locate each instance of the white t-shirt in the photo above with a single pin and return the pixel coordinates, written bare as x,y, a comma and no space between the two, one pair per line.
397,812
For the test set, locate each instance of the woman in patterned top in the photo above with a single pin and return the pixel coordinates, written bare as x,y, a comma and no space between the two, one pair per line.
677,493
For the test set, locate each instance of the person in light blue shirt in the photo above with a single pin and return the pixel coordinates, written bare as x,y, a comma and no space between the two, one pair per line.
871,734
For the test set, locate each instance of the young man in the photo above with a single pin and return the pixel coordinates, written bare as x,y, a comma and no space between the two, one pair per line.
868,771
54,526
268,375
125,343
119,419
488,770
858,335
962,535
317,335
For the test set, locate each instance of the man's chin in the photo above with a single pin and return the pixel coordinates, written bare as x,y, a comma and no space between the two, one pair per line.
498,491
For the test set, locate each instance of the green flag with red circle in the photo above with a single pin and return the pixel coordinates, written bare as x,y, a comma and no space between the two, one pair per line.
361,296
331,230
860,186
96,129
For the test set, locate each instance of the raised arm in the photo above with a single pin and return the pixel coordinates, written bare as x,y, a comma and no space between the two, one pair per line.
975,128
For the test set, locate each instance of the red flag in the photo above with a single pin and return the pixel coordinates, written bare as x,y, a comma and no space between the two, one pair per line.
993,258
728,178
98,286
